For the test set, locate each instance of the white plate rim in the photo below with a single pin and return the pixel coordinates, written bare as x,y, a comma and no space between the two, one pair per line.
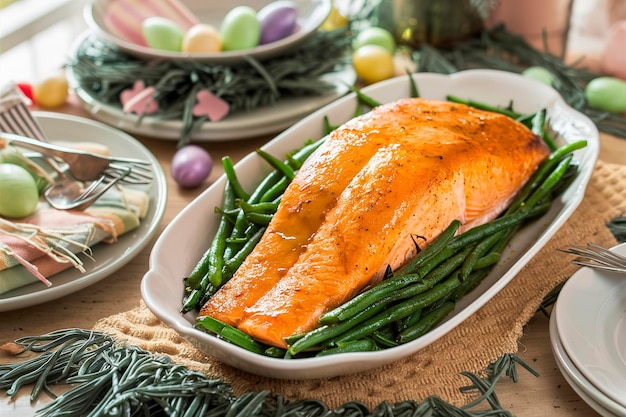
577,335
129,244
585,389
314,19
240,126
340,110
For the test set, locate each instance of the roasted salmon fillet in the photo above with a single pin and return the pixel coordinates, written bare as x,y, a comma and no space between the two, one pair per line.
406,168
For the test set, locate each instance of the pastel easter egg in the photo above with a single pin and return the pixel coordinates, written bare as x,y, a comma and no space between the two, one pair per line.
540,74
277,21
375,36
18,191
240,29
162,33
373,63
607,94
52,92
202,38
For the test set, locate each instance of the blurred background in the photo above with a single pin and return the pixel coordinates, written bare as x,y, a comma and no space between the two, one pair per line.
36,35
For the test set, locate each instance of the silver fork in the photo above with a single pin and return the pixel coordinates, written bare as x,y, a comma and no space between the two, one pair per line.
85,166
61,197
595,256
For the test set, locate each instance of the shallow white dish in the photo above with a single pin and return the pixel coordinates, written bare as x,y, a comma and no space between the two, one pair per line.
108,257
242,125
126,32
591,321
586,390
178,248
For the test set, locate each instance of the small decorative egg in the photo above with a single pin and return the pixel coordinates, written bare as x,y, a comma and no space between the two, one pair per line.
540,74
606,94
240,29
202,38
52,92
18,191
373,63
162,33
335,20
277,20
375,36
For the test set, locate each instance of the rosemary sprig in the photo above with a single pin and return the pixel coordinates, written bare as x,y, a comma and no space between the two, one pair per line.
120,379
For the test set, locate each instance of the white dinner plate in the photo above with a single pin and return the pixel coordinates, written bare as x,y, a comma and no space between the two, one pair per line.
591,321
108,257
241,125
182,243
586,390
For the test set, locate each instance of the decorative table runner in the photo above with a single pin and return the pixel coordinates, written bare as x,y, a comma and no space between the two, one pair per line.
492,331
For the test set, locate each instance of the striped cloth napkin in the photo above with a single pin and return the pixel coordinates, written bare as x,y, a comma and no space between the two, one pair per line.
50,240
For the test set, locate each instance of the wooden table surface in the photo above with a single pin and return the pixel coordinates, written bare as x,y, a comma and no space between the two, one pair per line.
547,395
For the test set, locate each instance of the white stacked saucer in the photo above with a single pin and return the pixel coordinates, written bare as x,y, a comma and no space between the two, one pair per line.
588,336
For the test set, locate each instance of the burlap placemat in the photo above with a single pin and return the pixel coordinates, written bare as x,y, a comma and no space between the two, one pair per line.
489,333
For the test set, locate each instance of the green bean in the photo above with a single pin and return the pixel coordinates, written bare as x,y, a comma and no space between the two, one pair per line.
261,208
275,352
527,119
384,338
543,170
229,170
362,345
328,127
426,323
433,248
325,332
367,298
486,261
538,123
201,268
401,286
413,85
483,106
358,111
281,166
229,333
481,248
402,309
474,278
409,320
231,264
363,98
261,219
277,190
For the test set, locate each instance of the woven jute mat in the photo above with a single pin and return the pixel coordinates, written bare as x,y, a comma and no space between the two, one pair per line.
489,333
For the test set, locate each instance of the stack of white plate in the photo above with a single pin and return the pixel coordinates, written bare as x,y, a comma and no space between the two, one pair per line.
588,336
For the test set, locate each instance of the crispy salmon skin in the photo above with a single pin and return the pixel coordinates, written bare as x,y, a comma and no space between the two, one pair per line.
406,168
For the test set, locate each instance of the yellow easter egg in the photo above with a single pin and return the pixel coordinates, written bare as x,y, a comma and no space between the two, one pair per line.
202,38
52,92
373,63
335,20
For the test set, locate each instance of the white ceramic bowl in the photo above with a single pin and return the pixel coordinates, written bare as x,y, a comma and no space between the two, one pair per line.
112,21
188,235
